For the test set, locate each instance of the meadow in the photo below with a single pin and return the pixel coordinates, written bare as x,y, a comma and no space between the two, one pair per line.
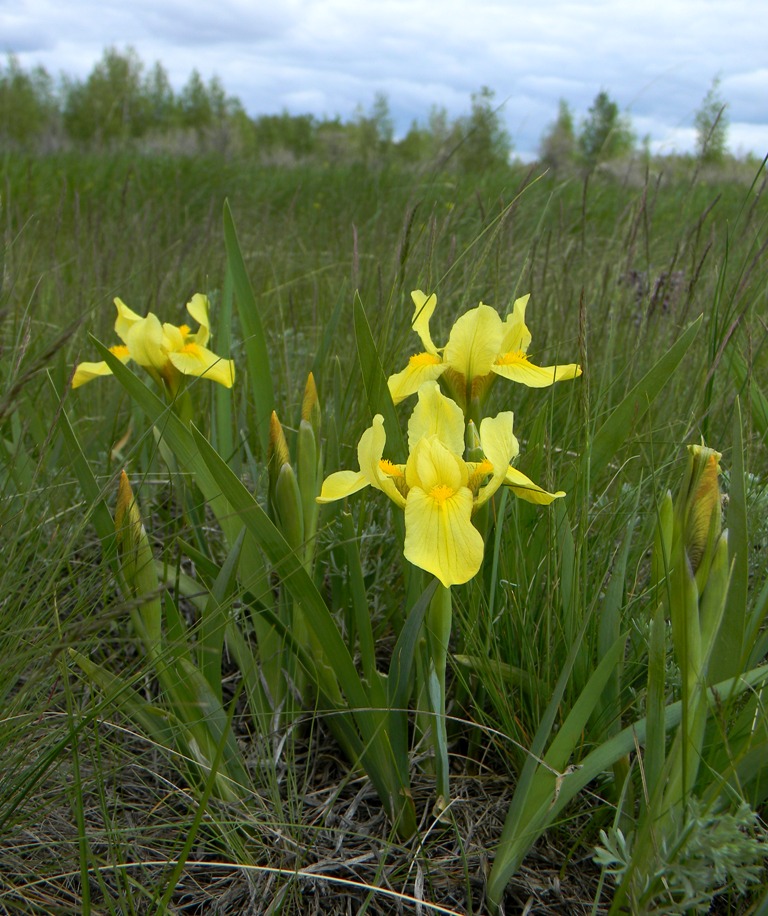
238,701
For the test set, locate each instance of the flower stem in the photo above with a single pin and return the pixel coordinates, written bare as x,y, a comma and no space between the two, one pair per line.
438,624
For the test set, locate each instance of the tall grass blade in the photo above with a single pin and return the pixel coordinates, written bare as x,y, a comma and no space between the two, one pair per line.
215,617
254,340
375,382
729,653
616,429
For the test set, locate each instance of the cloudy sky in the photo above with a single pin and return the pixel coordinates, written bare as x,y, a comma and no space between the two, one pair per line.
656,58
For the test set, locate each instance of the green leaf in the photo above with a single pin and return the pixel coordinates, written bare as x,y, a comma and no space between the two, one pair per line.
208,723
377,757
541,782
400,682
222,424
727,657
656,731
400,677
596,763
119,693
359,597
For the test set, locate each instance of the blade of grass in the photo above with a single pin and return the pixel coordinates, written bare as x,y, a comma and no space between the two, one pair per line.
375,382
615,430
213,621
728,653
254,340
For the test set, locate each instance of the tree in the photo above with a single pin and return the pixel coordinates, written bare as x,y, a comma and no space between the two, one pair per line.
558,145
428,143
482,141
712,126
605,134
195,104
160,99
111,104
382,118
373,133
295,134
27,104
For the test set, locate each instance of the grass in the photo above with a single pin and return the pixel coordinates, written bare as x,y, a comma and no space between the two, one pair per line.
96,815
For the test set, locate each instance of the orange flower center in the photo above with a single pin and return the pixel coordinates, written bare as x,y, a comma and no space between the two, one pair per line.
441,492
513,356
390,469
478,475
419,360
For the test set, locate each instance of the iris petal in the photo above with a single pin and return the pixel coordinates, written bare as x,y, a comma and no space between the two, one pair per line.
421,368
86,372
126,319
515,366
196,360
424,307
145,343
499,446
198,309
440,537
526,489
341,484
516,336
370,451
436,415
474,342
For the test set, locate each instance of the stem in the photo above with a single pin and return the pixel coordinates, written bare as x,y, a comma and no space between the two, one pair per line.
438,624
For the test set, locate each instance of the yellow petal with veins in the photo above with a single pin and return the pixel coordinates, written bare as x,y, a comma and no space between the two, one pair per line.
198,309
86,372
499,446
526,489
436,415
424,307
421,368
474,342
514,365
126,319
341,484
195,360
439,534
145,340
515,333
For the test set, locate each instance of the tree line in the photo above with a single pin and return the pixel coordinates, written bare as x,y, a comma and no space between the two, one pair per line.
121,101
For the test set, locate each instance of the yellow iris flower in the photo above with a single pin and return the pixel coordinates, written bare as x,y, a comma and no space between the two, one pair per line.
480,347
438,490
166,351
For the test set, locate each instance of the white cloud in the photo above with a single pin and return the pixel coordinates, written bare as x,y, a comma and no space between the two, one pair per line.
657,59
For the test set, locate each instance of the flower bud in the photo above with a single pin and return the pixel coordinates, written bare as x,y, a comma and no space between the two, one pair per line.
287,505
310,406
137,563
702,511
277,452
